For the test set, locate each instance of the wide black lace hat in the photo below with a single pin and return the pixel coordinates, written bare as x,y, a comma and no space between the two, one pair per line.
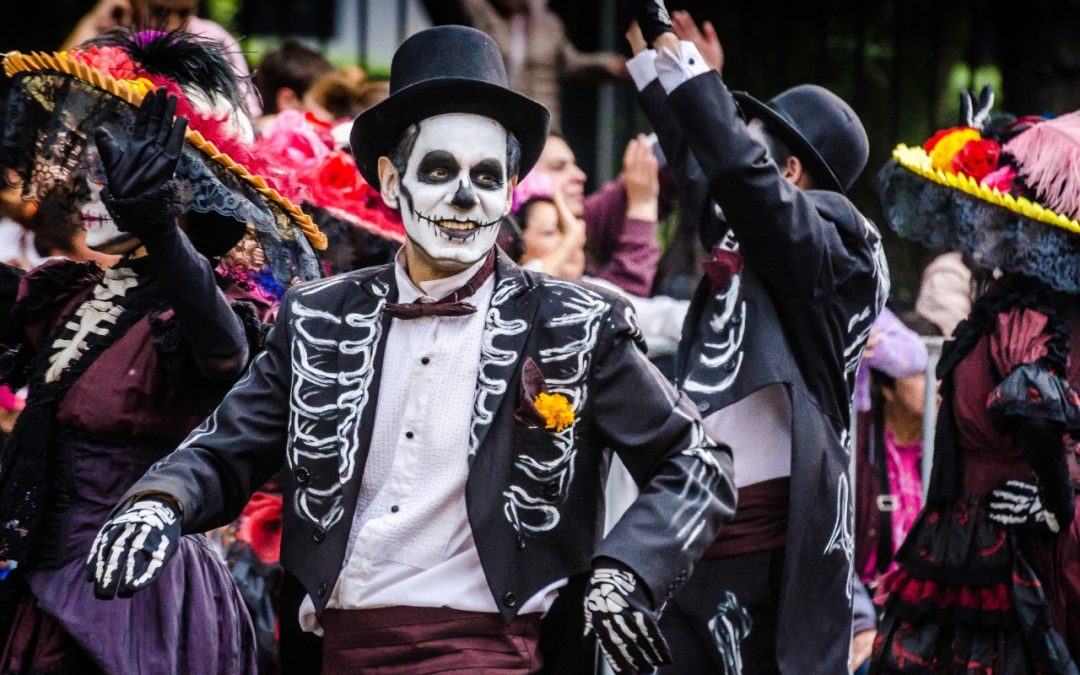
58,100
441,70
1004,191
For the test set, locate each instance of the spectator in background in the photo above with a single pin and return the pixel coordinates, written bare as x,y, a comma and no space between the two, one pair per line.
890,398
534,46
555,242
339,94
620,218
167,15
946,292
284,76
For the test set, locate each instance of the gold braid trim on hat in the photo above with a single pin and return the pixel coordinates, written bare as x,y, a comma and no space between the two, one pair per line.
17,62
916,160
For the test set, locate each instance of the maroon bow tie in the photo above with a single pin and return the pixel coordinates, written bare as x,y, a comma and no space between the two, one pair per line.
451,305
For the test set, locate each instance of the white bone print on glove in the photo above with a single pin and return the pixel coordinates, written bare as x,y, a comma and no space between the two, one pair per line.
1017,504
618,613
132,548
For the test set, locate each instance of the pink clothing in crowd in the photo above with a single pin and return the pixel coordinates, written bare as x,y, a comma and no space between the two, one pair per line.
905,484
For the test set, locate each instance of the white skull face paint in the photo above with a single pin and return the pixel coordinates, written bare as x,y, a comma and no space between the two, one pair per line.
99,225
455,190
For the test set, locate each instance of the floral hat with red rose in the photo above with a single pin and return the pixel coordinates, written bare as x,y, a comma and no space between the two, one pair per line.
362,231
1003,190
59,99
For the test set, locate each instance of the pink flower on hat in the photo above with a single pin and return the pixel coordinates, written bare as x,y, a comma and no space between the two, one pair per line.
295,140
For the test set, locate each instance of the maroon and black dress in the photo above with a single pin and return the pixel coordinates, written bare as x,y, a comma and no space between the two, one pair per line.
109,396
973,596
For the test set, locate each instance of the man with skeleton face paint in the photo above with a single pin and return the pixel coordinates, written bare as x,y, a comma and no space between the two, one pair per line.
444,420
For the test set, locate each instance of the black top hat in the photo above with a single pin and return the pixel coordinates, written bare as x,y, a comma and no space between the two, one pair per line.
819,128
446,69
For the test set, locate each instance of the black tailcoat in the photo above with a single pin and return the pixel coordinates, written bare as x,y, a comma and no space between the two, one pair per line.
533,495
799,314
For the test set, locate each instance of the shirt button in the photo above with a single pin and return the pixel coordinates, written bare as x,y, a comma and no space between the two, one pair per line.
321,590
302,475
552,489
510,600
425,360
703,406
395,508
521,542
409,434
319,535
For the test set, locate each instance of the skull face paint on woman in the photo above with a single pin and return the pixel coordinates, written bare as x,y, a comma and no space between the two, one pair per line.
454,188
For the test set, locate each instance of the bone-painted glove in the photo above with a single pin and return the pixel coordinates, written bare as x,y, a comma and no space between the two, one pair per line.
133,548
618,612
142,171
1018,504
653,18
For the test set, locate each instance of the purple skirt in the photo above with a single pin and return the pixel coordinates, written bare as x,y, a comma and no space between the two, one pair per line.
190,620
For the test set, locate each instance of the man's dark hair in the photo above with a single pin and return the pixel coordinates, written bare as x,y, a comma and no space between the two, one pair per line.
779,152
399,156
291,66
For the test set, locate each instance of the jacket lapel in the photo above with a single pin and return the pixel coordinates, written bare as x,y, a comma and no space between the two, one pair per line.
361,346
506,330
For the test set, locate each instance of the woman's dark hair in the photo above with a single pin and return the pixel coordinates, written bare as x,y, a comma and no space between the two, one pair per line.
526,208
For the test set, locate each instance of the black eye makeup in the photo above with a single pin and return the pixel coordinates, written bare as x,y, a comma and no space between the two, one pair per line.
487,174
437,166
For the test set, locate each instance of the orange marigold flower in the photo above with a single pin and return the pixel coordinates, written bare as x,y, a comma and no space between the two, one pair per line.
556,410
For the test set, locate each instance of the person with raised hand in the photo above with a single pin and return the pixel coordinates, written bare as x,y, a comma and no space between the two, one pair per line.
774,334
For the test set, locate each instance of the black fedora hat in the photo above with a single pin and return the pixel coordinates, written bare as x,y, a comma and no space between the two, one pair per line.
819,128
446,69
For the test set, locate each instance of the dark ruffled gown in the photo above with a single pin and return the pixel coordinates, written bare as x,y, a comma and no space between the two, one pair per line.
972,596
125,399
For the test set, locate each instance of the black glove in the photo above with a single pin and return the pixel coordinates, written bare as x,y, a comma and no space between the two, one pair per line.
1042,442
131,550
143,199
618,611
653,18
1019,505
137,176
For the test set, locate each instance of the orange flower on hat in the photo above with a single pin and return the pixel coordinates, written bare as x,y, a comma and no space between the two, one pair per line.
948,145
555,409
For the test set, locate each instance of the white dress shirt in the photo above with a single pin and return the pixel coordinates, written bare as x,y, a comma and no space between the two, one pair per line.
411,543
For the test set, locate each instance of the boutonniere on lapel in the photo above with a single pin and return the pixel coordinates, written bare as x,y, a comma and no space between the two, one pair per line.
540,408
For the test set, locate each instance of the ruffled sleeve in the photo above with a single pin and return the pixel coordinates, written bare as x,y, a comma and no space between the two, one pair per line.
181,372
1026,354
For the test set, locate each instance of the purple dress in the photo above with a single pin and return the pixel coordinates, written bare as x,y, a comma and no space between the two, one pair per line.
132,404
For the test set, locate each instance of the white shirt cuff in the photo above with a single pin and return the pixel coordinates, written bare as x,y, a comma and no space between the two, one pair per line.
642,68
674,69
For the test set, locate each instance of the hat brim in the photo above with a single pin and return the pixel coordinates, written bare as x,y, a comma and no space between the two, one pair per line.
824,177
376,131
989,235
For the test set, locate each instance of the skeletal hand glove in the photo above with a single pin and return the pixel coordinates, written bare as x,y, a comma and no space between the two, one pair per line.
1019,504
618,612
132,548
141,171
653,18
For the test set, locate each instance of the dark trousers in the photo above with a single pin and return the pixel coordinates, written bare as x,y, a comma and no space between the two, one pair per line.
705,623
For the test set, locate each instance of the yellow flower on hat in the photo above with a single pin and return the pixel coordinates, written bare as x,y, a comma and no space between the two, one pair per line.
140,85
555,409
947,146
